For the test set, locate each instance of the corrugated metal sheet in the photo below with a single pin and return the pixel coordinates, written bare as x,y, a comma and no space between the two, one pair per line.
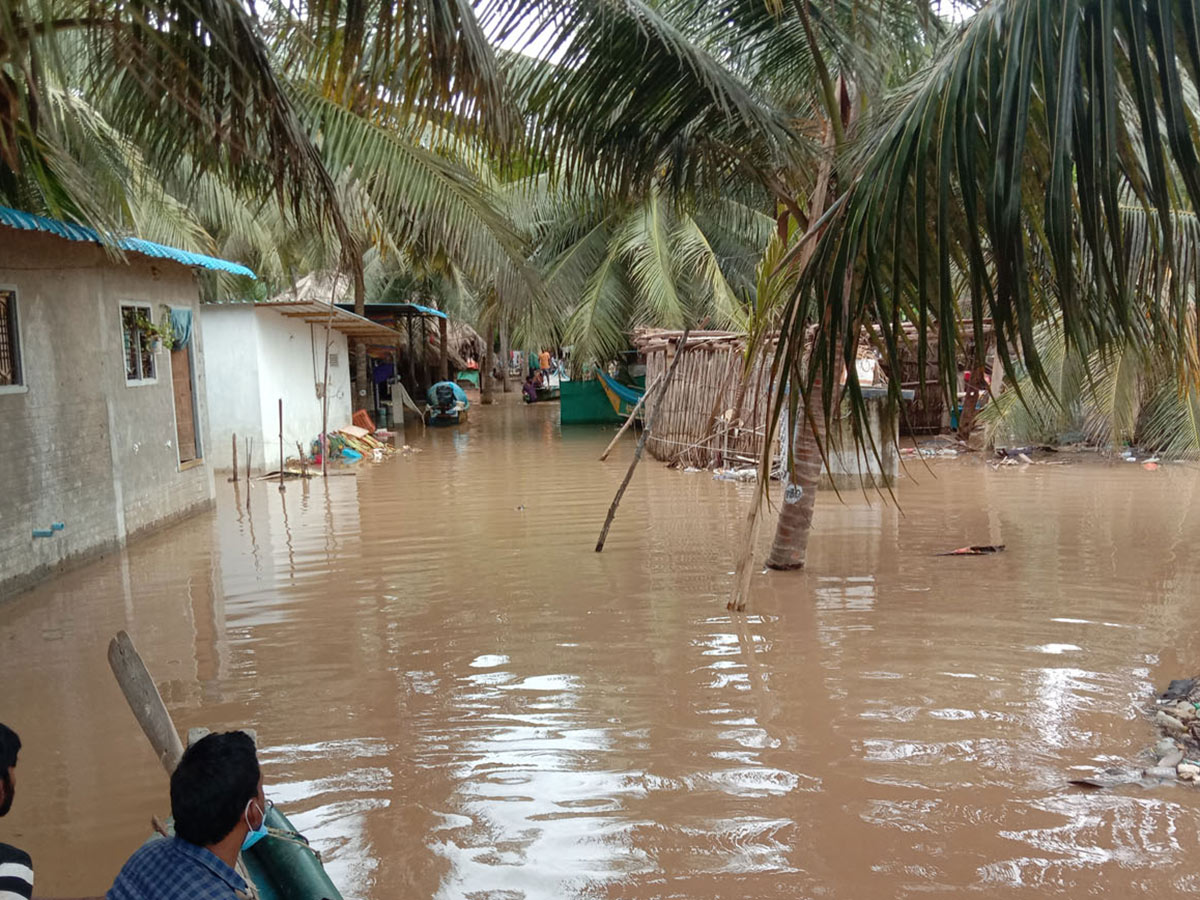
428,310
29,222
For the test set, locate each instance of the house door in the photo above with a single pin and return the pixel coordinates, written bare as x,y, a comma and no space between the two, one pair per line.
185,406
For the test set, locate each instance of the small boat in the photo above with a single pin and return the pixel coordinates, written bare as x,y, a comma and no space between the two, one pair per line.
284,867
447,404
551,389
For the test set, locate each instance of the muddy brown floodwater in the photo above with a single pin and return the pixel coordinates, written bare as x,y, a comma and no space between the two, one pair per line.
456,697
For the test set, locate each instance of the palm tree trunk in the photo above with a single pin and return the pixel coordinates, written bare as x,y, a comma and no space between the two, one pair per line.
790,547
485,371
361,378
505,384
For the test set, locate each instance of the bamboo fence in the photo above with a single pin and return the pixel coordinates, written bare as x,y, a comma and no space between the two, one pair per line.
714,413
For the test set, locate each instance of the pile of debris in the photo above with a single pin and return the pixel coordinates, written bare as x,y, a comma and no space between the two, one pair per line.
1177,755
1175,714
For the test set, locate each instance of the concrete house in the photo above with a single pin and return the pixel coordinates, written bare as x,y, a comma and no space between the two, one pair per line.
105,427
260,353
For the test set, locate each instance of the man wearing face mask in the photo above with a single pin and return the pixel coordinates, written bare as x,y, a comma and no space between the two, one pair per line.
219,809
16,869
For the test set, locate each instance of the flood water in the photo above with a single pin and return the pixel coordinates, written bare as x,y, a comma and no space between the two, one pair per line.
456,697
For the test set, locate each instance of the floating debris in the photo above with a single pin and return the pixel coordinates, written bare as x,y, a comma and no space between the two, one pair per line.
974,550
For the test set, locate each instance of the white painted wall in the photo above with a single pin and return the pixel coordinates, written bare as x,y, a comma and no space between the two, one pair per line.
255,357
291,363
231,364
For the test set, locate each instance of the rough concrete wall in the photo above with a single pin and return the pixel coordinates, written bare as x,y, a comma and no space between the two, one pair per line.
291,360
231,369
83,448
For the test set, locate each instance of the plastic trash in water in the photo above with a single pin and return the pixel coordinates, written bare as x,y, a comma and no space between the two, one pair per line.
351,455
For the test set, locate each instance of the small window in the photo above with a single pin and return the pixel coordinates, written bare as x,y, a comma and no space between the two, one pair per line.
138,344
10,341
333,359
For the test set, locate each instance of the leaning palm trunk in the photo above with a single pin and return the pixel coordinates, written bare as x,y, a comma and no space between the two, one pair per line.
807,435
485,372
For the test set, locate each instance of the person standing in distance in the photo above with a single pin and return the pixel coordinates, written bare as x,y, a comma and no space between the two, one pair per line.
219,809
16,868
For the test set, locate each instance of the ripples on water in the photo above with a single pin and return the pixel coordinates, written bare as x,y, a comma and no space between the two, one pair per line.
457,698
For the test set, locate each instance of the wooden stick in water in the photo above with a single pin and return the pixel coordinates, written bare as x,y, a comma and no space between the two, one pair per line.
637,454
235,461
629,421
282,487
145,701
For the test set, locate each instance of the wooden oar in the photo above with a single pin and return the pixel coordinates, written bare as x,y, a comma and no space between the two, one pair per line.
144,700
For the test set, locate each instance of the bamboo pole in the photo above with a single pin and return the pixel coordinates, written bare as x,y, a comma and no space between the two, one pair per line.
629,421
325,381
235,460
637,454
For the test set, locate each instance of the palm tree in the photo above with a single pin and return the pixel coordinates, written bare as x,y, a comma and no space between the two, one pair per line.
610,266
1018,142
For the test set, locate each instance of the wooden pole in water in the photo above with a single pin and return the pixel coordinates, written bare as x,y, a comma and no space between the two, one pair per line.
303,461
637,454
145,701
325,381
443,350
249,457
281,484
629,421
235,460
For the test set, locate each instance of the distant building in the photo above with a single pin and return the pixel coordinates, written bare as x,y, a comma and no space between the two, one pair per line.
261,353
104,426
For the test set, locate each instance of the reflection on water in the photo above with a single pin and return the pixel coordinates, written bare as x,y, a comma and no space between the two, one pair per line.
456,697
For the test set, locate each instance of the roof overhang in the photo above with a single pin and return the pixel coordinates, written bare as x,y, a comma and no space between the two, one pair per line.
24,221
317,313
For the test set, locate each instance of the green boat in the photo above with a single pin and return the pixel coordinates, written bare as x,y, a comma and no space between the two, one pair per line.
284,867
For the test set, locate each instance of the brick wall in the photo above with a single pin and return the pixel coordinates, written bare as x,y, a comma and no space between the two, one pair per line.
81,446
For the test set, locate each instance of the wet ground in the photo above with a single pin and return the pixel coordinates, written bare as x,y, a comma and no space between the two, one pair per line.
456,697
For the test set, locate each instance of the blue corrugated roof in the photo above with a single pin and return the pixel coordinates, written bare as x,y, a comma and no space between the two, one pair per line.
428,310
29,222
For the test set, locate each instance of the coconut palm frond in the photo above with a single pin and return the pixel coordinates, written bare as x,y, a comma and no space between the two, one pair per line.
696,255
421,196
1170,423
622,96
597,328
645,241
987,161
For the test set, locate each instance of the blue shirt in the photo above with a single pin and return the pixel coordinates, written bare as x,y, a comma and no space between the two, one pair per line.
173,869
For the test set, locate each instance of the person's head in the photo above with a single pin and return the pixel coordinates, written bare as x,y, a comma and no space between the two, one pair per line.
217,789
10,745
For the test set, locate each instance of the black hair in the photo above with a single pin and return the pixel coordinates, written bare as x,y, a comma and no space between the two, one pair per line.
211,786
10,746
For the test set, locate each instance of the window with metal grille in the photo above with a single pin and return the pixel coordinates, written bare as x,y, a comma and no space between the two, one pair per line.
10,348
138,344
